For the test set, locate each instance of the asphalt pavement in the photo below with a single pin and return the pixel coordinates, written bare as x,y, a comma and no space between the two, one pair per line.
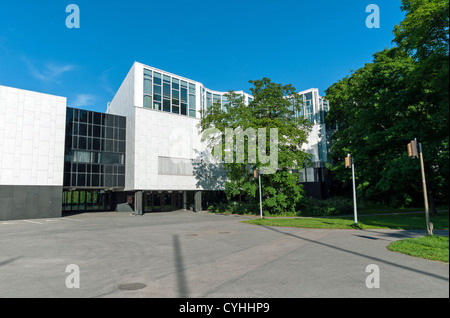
200,255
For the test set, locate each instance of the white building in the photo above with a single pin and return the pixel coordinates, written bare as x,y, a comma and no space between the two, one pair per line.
163,140
142,155
32,134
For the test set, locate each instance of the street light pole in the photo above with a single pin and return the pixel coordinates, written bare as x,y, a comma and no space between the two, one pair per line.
349,162
260,196
412,152
257,174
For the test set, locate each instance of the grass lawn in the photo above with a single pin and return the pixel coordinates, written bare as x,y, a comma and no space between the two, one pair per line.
433,247
394,221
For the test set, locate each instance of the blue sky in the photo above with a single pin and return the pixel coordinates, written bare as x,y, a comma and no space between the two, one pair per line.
222,44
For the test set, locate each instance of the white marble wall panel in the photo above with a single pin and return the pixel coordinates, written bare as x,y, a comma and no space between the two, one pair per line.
32,133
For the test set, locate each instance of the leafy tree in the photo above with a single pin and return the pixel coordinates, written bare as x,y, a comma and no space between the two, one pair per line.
273,106
402,95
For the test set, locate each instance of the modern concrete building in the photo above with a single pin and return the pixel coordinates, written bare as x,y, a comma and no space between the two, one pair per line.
32,134
141,155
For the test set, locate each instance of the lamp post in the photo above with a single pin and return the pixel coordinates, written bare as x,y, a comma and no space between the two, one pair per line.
350,164
256,174
413,153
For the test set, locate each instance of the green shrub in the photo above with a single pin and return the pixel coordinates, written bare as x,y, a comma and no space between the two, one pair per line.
234,207
332,206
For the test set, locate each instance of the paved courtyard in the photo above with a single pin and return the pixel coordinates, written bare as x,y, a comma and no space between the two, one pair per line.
184,254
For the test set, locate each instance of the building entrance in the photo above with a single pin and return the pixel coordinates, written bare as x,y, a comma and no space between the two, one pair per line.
86,201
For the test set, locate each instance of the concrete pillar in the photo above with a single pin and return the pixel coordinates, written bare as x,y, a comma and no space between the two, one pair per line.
184,200
198,201
138,198
161,201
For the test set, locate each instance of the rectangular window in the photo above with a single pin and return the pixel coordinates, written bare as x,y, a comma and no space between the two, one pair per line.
191,88
208,100
157,93
148,86
166,90
82,156
216,99
157,105
148,101
147,73
175,83
175,109
192,102
157,78
110,158
175,97
82,130
166,105
166,79
184,95
183,109
224,103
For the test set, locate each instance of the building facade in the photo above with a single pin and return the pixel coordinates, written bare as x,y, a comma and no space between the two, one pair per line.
32,133
144,154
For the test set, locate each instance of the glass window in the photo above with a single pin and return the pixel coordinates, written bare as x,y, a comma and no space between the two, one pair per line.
191,88
110,158
175,83
147,73
81,182
69,116
208,100
157,105
75,128
192,112
122,134
184,84
224,102
109,132
82,156
82,130
109,120
175,97
176,109
148,101
184,95
166,79
96,131
216,99
166,105
183,109
82,143
95,144
121,146
109,145
148,86
157,93
123,122
157,78
166,90
97,119
191,101
83,116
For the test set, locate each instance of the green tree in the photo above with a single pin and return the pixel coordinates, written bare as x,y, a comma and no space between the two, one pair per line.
402,95
273,106
424,34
